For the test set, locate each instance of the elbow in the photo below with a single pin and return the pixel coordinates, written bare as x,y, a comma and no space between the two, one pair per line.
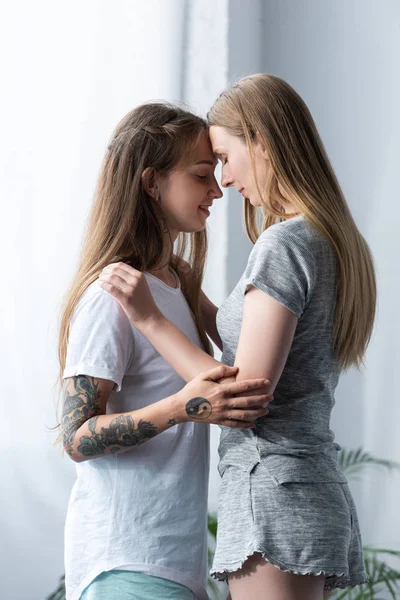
70,450
76,456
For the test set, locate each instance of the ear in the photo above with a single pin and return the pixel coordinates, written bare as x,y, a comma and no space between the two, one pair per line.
149,181
260,147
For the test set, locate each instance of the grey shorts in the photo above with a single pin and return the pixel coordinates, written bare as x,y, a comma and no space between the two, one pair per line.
303,528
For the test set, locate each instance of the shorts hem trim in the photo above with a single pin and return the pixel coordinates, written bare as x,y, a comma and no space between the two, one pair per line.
341,578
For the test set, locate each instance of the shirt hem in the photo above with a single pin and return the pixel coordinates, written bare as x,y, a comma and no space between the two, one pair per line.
93,371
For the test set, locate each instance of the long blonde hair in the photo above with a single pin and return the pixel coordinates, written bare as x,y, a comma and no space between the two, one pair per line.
125,223
266,105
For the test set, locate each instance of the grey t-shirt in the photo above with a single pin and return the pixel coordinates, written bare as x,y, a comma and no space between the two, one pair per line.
294,264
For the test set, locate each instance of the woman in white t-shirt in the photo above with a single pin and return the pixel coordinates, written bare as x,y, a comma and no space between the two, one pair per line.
137,518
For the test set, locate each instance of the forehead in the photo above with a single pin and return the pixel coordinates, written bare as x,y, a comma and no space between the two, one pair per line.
221,138
202,152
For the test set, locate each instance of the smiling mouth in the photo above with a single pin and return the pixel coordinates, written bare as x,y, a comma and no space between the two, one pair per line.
204,208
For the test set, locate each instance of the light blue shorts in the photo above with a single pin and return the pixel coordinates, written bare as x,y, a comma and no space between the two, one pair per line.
131,585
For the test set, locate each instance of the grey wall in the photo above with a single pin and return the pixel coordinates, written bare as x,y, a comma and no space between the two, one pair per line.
343,57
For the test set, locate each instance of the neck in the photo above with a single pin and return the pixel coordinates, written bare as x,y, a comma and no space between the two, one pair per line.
162,270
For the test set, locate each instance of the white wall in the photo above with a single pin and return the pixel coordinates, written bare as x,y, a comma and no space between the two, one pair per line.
70,71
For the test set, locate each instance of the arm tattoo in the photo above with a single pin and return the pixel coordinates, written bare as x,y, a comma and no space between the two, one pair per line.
198,409
82,407
121,433
171,422
78,408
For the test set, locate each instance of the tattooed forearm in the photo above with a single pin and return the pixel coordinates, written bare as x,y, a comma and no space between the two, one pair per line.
78,407
81,406
198,409
121,433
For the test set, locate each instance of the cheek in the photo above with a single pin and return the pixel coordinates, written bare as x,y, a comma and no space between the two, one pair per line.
181,200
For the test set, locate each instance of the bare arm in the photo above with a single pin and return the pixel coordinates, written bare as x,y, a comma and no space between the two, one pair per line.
88,432
265,339
187,359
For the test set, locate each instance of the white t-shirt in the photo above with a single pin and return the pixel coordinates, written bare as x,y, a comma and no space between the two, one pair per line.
145,509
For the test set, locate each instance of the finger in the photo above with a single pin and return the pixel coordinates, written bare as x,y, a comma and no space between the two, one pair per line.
262,390
249,415
124,267
118,282
238,387
234,424
113,290
218,372
244,402
133,278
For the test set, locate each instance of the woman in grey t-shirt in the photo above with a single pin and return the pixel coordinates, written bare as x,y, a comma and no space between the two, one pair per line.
301,313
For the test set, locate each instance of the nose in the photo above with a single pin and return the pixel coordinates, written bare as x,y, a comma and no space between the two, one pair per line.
216,191
226,181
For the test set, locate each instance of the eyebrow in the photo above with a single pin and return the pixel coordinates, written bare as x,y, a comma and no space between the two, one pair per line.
212,163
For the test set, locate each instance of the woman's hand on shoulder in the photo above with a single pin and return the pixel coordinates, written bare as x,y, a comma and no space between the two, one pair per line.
129,286
237,404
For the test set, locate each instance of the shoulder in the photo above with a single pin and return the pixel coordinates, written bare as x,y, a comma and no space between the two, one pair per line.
296,231
291,238
96,302
297,236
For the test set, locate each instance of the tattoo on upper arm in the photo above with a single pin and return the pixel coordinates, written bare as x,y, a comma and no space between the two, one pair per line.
83,406
121,433
198,409
78,407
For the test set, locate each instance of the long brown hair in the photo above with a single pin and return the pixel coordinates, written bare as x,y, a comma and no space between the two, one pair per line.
266,105
125,223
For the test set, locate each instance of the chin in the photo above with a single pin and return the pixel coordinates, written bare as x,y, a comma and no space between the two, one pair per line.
193,228
256,202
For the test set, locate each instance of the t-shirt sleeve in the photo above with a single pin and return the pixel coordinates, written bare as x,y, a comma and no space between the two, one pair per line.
101,341
282,266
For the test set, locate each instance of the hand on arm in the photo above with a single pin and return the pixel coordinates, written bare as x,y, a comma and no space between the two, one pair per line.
130,288
89,433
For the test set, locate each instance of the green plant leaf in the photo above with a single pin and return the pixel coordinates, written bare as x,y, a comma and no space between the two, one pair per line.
353,461
372,550
212,525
